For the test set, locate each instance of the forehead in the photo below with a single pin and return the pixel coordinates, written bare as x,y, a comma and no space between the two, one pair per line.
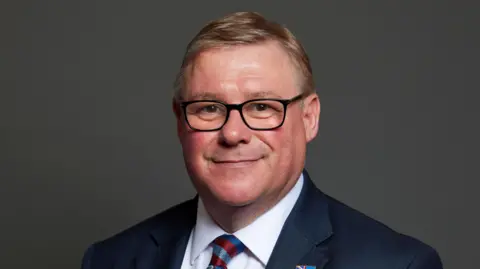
242,72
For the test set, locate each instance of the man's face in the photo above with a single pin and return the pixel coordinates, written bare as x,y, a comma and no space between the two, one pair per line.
235,165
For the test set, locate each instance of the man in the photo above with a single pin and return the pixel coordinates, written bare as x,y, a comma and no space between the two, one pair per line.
246,108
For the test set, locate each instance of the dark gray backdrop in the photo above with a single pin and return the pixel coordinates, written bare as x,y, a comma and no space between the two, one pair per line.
88,137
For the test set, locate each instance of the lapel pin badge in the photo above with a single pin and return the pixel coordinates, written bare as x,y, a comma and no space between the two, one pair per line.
305,267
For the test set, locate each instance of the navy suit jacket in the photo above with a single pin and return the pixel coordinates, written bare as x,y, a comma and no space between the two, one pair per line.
320,231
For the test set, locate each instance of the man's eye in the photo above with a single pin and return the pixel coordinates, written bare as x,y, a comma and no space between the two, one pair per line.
208,109
261,107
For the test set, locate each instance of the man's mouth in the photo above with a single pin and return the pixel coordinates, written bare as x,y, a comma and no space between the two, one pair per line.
235,162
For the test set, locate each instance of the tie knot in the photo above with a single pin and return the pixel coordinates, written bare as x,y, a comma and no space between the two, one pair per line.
225,247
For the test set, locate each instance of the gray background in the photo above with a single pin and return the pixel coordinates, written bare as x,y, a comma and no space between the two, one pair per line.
89,147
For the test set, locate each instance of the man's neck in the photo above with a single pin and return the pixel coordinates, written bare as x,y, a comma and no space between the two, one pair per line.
234,218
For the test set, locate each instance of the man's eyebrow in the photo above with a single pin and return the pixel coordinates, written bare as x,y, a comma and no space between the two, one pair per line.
263,94
220,97
205,96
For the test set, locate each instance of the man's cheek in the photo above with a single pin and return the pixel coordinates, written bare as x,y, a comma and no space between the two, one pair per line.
277,139
198,142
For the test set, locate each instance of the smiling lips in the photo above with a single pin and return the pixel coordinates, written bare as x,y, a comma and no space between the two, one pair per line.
236,161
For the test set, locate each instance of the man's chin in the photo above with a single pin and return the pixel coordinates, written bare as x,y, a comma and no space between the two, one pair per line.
235,199
237,203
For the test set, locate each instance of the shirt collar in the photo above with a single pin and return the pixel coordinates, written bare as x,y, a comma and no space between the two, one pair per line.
259,237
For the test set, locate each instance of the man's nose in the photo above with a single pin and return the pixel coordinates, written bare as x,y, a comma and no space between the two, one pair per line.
235,130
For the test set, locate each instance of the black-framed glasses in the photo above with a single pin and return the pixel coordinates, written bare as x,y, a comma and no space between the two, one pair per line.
258,114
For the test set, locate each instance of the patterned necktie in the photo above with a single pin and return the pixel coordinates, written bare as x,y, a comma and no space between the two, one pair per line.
225,247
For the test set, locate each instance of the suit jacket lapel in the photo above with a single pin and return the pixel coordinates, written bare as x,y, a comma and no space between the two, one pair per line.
170,254
304,237
170,240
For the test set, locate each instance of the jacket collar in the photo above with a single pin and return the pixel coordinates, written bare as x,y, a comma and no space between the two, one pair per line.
304,238
171,237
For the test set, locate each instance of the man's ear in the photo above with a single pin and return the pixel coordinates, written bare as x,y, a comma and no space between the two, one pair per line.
176,108
311,116
178,115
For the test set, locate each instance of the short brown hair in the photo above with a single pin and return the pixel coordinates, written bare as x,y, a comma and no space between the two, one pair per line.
243,28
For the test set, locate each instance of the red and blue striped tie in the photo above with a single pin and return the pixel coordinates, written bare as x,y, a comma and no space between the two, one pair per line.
225,247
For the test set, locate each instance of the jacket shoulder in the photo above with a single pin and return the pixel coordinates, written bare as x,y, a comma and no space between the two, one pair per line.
360,239
127,242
